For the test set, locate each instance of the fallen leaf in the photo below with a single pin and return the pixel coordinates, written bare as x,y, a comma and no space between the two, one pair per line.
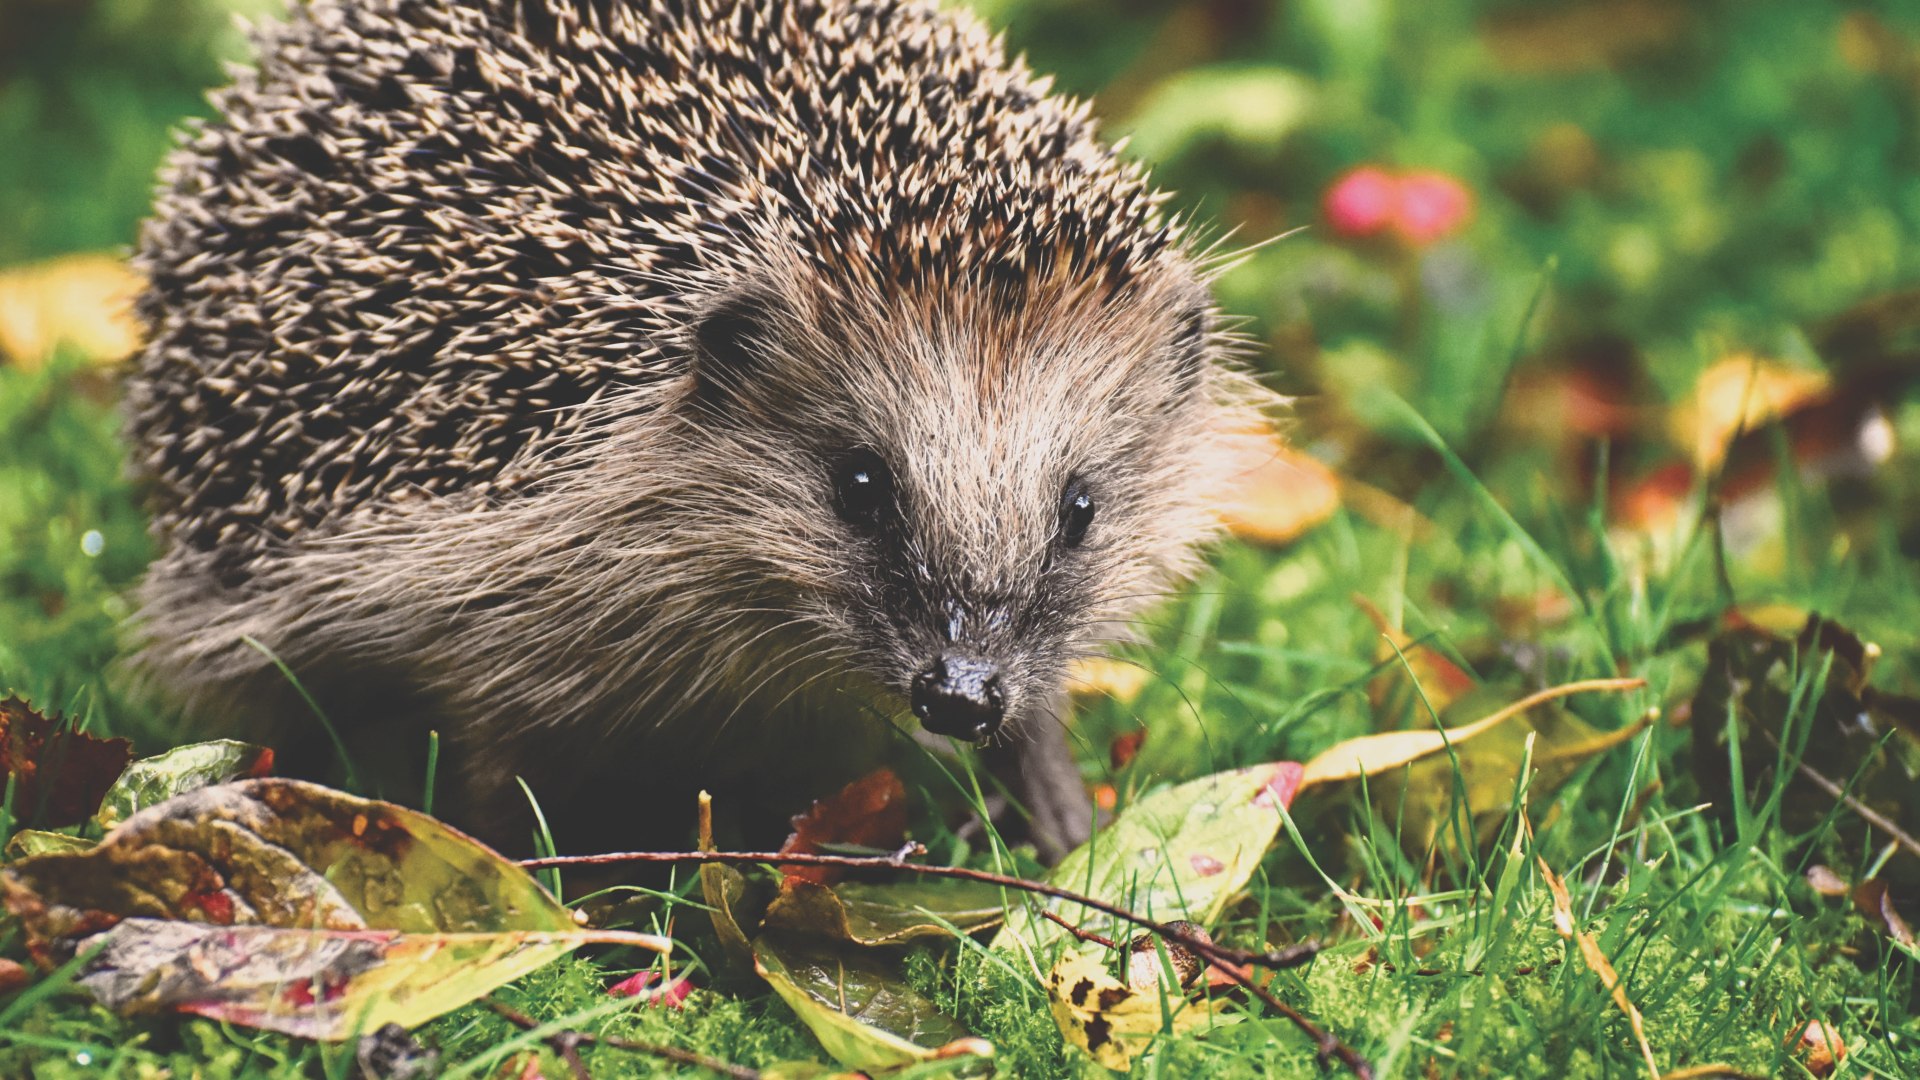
1114,1022
58,774
316,984
369,912
861,1009
1178,853
870,812
726,892
83,302
1873,899
1755,678
1419,797
30,842
153,780
890,914
1280,494
1441,682
1106,676
1370,755
1740,393
1597,961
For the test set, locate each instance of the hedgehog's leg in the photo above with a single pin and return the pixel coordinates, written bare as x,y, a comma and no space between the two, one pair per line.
1038,768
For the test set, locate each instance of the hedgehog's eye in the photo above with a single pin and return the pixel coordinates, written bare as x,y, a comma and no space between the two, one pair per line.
1076,512
862,488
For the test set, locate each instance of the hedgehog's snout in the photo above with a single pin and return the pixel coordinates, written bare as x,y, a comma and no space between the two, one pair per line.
959,696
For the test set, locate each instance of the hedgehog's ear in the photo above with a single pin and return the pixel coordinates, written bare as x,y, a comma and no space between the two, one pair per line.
728,340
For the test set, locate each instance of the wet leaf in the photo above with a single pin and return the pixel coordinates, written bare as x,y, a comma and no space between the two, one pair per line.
890,914
870,812
317,984
153,780
58,774
1114,1022
386,911
858,1006
1178,853
726,892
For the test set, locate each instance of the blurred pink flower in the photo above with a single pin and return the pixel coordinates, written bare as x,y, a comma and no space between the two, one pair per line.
1363,202
1432,206
1420,207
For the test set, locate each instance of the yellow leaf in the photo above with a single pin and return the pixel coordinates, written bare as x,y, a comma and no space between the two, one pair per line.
1281,493
84,302
1110,1020
1740,393
1107,677
1369,755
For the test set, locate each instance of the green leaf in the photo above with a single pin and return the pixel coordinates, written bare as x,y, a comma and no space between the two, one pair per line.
889,914
1178,853
30,842
859,1006
153,780
320,913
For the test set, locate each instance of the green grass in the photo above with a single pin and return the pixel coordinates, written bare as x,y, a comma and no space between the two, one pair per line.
1754,174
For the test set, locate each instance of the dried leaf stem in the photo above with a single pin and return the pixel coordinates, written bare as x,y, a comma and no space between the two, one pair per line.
567,1044
1222,956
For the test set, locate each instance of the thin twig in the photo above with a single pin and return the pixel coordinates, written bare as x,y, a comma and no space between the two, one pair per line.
567,1043
1227,958
1869,814
1084,935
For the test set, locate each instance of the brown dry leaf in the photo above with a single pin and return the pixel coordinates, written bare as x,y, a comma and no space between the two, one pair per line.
870,812
1596,960
59,775
1369,755
1873,899
84,302
1740,393
1280,495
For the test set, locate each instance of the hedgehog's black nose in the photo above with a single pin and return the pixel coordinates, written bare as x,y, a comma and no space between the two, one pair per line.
958,696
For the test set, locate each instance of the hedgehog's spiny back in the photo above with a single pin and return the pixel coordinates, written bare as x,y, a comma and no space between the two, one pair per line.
426,230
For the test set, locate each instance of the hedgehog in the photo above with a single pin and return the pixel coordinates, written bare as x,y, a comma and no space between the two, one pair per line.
654,394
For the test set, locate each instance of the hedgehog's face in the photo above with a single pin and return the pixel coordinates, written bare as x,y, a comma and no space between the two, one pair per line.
958,499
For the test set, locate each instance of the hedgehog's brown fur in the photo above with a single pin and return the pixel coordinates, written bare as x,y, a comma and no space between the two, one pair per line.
430,408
